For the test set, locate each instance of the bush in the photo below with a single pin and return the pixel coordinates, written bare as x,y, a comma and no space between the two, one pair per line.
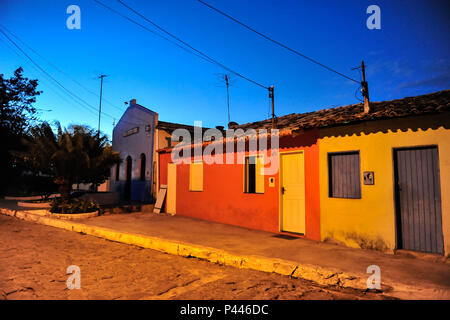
58,205
31,185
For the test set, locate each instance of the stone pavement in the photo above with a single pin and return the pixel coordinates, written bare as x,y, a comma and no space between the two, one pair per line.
404,276
34,259
426,276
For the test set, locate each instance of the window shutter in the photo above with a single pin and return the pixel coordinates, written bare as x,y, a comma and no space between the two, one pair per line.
344,175
259,175
196,176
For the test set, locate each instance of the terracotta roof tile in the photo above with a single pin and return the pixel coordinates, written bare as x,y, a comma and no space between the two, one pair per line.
437,102
171,126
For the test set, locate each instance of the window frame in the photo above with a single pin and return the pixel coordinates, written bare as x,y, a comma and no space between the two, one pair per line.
330,174
117,172
259,188
142,166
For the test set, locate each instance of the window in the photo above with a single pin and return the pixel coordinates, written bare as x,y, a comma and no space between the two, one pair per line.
169,139
117,171
344,175
196,176
142,167
253,177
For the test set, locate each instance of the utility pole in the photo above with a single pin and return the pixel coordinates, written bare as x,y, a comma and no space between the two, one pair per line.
365,88
100,107
271,95
228,96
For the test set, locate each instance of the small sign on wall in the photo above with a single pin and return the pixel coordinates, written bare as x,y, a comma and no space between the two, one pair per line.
369,177
271,182
131,131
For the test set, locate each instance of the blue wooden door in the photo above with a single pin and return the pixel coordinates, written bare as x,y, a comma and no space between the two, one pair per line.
418,199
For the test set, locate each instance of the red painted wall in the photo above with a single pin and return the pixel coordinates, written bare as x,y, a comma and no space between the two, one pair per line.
223,199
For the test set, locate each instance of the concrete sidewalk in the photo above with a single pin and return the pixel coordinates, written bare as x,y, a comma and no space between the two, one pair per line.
401,276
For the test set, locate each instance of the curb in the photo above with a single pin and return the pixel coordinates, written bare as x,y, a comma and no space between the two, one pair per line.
316,274
54,195
46,213
24,204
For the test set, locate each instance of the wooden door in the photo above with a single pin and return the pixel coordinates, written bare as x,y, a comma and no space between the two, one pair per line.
171,188
128,170
418,199
292,185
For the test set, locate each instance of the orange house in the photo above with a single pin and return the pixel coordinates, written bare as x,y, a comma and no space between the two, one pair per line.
237,194
371,177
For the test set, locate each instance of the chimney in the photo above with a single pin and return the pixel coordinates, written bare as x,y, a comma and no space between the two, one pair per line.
232,124
132,101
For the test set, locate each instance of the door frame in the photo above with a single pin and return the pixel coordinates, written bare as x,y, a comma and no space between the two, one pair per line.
168,188
396,193
128,174
280,199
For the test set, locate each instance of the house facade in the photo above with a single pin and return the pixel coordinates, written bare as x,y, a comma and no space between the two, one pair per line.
133,138
375,179
137,136
402,198
236,193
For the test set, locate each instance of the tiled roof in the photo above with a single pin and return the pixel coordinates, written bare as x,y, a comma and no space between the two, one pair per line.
171,126
437,102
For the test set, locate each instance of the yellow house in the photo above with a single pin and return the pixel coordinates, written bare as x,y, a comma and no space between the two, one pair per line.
384,174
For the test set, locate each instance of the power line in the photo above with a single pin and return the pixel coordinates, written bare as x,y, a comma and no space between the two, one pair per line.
147,29
49,62
276,42
194,51
100,106
15,51
203,55
88,107
43,70
66,74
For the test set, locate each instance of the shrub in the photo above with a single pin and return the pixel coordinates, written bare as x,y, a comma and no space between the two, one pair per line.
58,205
31,185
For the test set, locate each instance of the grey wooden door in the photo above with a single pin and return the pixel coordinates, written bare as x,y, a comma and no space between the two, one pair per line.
418,199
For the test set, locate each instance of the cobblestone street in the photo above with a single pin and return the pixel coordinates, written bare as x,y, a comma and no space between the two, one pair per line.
34,258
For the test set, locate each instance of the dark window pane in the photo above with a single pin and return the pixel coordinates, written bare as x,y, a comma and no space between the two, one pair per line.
117,171
250,169
142,175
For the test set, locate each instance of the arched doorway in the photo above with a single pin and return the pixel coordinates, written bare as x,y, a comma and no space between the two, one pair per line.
117,171
127,191
142,167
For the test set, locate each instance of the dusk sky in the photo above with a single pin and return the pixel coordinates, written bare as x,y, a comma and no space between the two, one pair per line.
408,56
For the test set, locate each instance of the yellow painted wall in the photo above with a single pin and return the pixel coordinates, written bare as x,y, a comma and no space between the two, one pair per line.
370,221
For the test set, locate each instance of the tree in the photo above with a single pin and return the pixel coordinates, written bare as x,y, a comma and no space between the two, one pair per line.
74,155
17,95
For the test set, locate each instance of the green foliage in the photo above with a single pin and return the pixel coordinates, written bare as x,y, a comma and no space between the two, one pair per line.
76,205
32,185
74,155
17,95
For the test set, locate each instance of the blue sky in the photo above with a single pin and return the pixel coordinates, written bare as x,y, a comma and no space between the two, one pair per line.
408,56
